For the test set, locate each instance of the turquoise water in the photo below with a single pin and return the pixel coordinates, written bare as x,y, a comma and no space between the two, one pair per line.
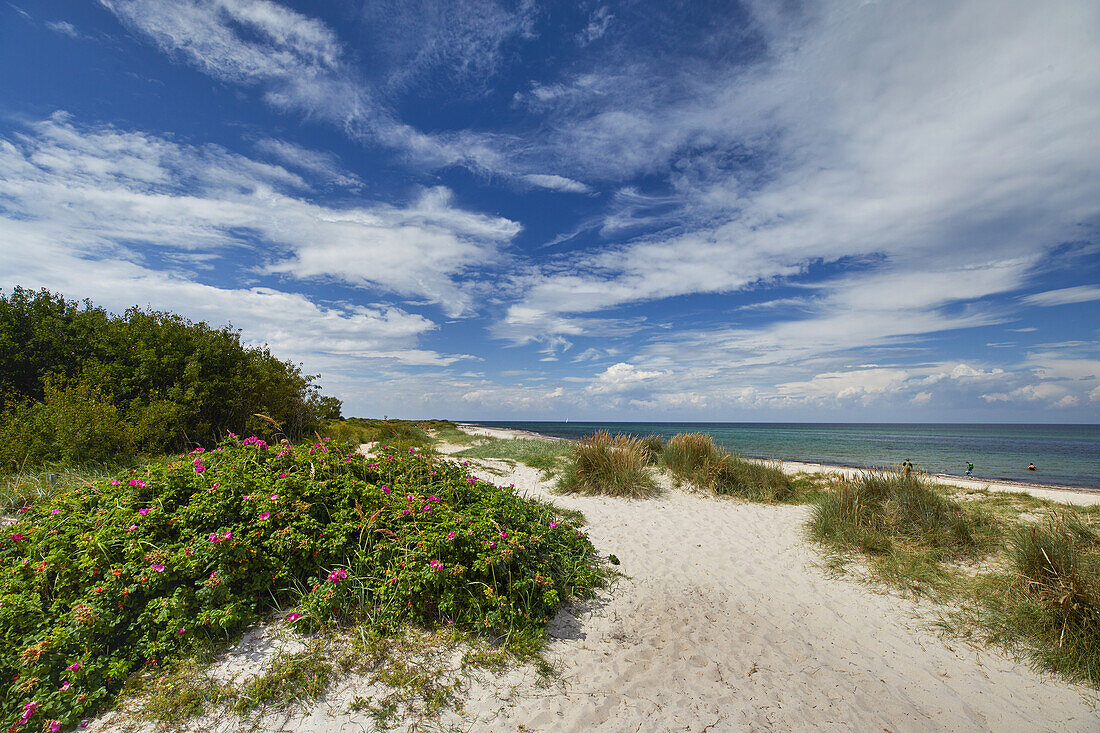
1065,455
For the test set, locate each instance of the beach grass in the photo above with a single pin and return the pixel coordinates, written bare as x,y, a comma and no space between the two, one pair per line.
754,480
652,447
611,465
399,433
455,436
881,508
696,459
1016,571
688,457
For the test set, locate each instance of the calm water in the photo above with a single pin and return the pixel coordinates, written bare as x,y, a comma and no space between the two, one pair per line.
1066,455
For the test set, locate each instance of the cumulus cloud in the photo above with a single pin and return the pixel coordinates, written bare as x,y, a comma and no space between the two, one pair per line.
621,377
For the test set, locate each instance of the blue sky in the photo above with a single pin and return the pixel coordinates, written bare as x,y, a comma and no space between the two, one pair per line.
824,211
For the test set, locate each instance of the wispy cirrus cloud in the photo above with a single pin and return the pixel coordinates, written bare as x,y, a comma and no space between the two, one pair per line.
1064,296
300,65
777,170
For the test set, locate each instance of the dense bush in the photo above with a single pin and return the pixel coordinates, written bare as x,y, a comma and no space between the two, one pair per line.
602,464
77,383
98,583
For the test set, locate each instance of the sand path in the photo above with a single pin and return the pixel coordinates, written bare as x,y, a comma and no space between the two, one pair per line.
727,623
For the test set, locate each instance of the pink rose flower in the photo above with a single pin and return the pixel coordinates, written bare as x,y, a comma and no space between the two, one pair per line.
264,516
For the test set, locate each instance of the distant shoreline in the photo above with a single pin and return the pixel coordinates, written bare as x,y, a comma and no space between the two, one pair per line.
1055,492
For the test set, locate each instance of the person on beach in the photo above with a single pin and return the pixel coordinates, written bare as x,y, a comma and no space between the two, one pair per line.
969,468
908,467
1031,466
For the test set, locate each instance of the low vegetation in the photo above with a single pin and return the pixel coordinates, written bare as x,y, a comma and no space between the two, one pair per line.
882,508
1016,571
696,459
546,454
611,465
99,582
395,433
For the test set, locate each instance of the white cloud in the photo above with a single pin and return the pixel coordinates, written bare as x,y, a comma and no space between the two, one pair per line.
598,24
899,172
65,28
1043,391
1064,296
622,377
555,183
298,63
108,193
322,165
465,40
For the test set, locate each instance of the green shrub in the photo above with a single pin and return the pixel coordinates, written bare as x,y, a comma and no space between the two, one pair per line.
80,384
879,508
99,582
76,424
399,432
603,464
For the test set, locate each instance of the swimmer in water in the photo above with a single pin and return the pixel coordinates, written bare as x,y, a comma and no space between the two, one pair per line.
1031,466
969,468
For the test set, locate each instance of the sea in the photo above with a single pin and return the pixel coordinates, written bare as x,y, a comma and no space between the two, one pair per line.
1064,455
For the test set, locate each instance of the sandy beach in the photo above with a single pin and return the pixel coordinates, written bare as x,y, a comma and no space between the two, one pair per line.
724,619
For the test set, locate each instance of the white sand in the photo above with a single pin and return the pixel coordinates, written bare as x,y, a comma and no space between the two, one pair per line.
727,622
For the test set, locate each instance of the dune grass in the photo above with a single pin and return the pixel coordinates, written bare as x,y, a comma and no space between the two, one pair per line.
696,459
610,465
1017,571
882,508
652,447
688,457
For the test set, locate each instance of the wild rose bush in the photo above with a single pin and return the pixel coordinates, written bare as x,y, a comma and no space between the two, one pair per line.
98,584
